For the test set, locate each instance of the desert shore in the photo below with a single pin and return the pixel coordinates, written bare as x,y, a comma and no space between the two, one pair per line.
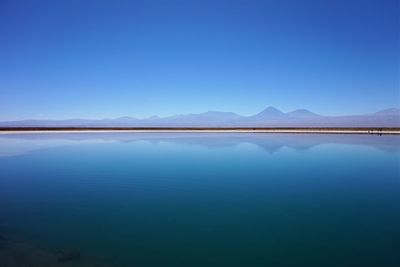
327,130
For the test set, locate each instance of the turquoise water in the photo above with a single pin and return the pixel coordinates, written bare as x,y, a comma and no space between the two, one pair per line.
206,199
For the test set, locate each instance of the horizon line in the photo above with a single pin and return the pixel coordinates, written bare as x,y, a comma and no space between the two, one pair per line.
204,112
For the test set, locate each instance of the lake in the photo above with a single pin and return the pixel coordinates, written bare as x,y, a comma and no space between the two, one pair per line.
196,199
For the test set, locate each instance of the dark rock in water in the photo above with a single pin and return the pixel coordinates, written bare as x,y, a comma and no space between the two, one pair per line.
69,255
2,241
2,238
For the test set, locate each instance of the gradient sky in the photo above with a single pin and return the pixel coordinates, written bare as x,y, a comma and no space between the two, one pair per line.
95,59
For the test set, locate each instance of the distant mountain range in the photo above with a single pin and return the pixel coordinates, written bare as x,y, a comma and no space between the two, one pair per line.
269,117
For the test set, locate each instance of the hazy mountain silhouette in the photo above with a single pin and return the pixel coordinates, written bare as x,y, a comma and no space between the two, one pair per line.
269,117
389,111
267,114
302,113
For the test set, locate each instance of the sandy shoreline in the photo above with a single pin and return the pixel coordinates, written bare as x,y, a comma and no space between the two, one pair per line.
208,130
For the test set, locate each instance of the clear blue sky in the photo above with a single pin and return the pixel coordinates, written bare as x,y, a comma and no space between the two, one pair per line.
95,59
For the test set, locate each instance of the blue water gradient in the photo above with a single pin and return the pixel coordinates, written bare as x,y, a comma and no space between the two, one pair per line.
206,199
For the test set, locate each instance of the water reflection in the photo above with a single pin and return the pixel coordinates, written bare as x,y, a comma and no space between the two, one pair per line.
18,144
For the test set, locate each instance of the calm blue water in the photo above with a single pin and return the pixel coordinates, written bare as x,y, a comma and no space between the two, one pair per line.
206,199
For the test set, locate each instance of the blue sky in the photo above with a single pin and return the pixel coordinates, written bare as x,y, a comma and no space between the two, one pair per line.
95,59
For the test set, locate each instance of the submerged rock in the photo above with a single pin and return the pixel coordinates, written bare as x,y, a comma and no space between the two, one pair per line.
2,241
69,255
